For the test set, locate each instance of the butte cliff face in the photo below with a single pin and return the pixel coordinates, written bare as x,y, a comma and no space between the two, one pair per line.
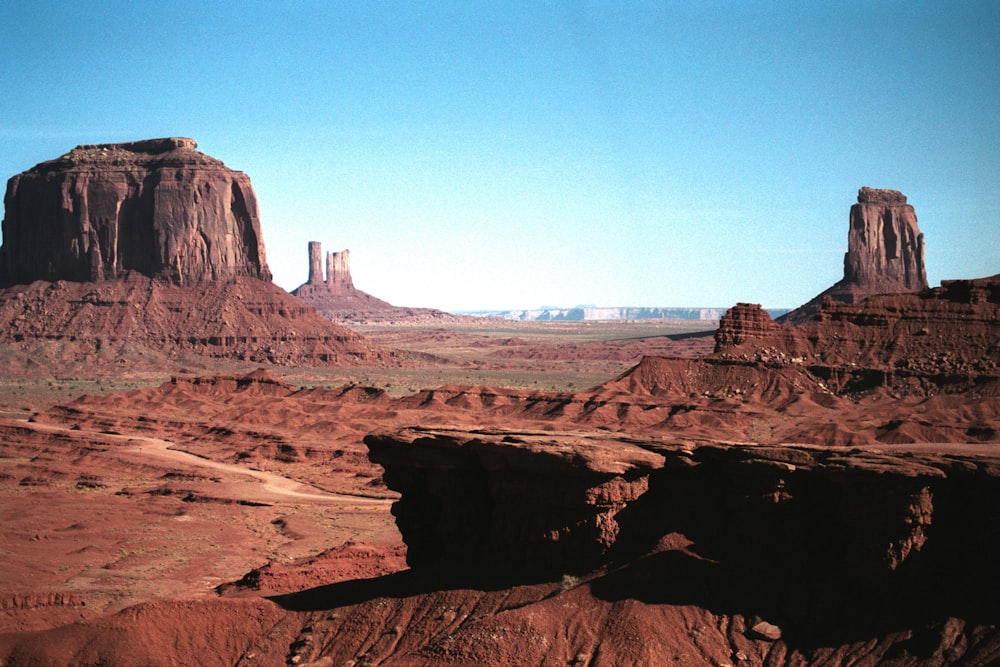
885,253
885,249
156,207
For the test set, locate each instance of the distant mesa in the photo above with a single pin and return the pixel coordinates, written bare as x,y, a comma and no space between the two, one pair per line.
152,244
335,297
156,207
612,313
885,253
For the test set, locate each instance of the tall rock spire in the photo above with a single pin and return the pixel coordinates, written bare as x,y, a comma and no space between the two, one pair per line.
885,249
338,270
885,253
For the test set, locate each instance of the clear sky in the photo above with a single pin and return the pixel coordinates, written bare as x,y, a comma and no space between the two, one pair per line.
485,155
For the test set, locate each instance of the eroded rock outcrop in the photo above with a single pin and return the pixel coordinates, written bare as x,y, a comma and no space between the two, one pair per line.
885,253
156,207
113,249
335,296
887,533
941,339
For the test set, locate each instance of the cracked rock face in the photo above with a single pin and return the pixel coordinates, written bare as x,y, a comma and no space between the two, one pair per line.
156,207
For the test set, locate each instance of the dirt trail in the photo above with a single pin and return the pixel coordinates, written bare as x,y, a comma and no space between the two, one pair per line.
147,447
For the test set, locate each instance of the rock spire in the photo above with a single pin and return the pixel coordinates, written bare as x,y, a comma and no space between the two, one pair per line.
335,296
885,253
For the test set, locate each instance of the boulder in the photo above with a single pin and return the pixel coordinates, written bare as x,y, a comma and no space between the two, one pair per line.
156,207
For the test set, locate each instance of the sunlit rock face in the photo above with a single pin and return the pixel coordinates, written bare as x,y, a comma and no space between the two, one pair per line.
885,253
156,207
885,249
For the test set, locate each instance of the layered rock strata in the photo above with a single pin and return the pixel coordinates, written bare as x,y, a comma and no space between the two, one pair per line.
242,318
885,253
157,207
889,533
941,339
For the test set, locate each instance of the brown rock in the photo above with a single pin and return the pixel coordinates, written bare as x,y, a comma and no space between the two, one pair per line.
315,263
767,631
338,270
743,323
941,339
157,207
885,253
885,249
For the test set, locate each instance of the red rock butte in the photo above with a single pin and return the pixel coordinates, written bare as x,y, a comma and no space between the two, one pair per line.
112,247
885,253
157,207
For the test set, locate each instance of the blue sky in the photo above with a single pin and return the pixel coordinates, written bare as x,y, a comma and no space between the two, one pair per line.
508,155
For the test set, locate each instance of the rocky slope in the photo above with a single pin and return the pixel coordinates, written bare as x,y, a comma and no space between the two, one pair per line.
238,318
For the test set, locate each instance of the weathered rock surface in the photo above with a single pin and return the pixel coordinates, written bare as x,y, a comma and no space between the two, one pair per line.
237,318
941,339
335,297
894,534
885,253
156,207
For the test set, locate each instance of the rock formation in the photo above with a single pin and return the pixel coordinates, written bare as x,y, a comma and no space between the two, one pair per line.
885,253
889,536
338,270
156,207
335,296
940,339
151,244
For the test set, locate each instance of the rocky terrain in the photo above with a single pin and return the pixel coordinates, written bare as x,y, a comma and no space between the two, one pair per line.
819,494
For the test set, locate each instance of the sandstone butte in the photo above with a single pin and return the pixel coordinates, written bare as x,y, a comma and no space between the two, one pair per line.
151,243
335,297
158,207
885,253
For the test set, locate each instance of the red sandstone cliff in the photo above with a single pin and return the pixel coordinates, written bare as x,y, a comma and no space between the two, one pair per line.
157,207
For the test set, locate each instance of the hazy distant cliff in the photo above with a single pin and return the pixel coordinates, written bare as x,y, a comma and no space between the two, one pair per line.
583,313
